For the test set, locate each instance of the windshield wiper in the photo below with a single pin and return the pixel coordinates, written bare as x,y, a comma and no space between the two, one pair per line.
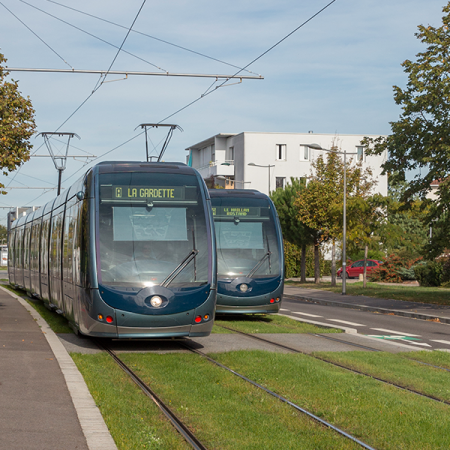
192,254
259,264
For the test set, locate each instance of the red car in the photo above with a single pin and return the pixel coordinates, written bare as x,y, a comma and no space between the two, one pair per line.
357,268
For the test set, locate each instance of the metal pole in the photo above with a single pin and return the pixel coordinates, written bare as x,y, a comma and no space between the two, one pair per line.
344,244
60,171
146,143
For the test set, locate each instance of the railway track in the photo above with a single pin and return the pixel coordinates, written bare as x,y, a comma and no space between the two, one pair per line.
187,434
280,397
182,428
294,350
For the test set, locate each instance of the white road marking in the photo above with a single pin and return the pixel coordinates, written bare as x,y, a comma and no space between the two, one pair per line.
417,343
382,336
305,314
281,309
396,332
348,323
441,342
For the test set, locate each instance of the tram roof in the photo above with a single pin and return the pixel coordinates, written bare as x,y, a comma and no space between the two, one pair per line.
143,166
236,193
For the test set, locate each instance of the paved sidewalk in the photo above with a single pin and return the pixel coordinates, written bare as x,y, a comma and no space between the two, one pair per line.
398,307
44,403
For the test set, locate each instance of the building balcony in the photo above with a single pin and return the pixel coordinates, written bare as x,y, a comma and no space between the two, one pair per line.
217,168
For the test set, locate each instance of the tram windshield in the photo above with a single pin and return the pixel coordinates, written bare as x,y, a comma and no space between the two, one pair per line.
247,243
152,231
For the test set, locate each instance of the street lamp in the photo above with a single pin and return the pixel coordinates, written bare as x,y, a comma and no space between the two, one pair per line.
257,165
344,223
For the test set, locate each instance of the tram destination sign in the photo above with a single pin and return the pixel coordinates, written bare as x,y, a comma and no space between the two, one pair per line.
236,211
161,193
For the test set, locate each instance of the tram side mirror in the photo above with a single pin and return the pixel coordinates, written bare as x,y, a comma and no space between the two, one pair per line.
80,195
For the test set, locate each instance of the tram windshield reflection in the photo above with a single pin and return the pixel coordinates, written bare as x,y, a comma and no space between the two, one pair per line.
147,226
245,237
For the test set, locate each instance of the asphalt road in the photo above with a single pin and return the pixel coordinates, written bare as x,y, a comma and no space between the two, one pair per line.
414,332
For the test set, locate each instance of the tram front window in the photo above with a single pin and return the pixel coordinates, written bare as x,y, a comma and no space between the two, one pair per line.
152,231
246,239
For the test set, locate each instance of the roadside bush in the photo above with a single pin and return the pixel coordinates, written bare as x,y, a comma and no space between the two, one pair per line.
395,269
429,274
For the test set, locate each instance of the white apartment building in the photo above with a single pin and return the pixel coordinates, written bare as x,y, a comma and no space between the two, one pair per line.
265,161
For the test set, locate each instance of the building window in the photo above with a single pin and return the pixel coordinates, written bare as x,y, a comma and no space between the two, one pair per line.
281,152
359,153
280,182
231,154
304,153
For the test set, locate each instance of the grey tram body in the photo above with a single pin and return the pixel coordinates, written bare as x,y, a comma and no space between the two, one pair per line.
56,254
264,230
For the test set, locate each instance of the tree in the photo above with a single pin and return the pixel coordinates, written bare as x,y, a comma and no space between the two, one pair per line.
320,206
294,231
16,124
420,139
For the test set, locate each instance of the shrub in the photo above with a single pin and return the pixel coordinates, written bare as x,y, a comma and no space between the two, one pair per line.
395,269
429,274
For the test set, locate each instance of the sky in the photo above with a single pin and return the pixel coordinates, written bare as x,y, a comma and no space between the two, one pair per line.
333,75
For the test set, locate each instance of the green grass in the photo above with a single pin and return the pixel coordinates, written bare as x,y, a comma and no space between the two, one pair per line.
396,369
436,358
55,321
432,295
225,411
267,324
134,421
380,415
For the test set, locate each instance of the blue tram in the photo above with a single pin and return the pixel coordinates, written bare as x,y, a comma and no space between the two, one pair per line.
250,256
127,252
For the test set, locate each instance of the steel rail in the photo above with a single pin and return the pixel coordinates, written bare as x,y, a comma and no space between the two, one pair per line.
280,397
176,422
294,350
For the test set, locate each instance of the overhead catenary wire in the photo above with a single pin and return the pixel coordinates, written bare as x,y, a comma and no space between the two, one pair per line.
92,35
207,93
203,96
42,40
253,61
150,36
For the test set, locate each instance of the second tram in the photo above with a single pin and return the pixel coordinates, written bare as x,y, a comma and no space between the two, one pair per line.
250,257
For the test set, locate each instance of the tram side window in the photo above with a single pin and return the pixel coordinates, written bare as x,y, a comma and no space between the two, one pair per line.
44,245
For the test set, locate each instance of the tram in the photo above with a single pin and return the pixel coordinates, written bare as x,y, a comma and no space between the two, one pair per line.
250,257
127,252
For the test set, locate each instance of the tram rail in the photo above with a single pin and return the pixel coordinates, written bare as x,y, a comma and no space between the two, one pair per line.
294,350
281,398
187,434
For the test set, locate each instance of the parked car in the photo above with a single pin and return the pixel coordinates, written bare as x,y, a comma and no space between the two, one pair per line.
357,268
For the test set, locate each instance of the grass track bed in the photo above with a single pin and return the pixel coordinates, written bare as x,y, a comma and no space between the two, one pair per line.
254,324
396,369
437,358
380,415
226,412
134,421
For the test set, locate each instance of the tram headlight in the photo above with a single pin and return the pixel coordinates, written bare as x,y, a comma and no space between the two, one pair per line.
243,287
156,301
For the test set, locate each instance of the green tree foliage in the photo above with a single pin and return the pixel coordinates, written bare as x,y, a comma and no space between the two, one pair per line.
320,206
420,139
16,124
3,234
294,231
406,230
